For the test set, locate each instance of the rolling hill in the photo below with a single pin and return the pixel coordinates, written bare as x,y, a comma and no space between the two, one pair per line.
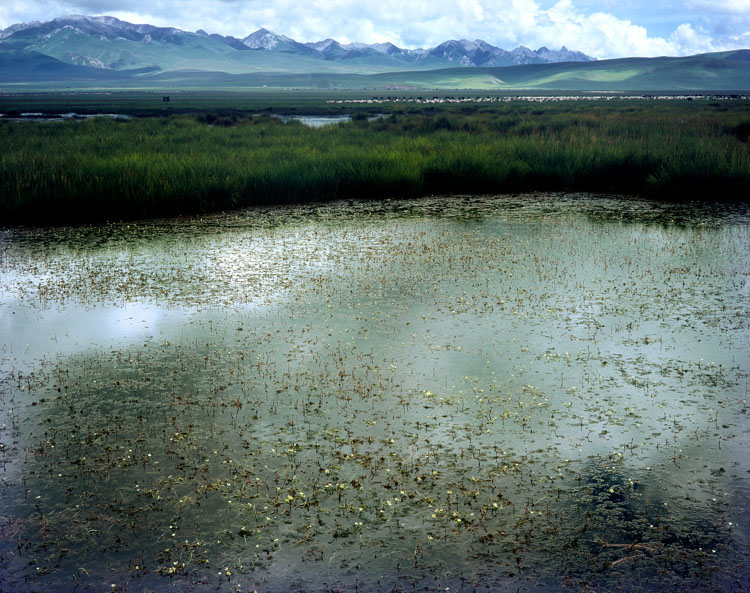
727,71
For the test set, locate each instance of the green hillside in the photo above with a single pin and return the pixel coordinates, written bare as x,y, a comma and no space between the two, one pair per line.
718,71
721,71
33,68
726,71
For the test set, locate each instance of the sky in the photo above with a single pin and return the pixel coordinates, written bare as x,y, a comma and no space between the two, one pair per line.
600,28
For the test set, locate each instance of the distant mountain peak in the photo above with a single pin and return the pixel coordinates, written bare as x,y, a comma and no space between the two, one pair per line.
265,39
324,45
18,27
385,48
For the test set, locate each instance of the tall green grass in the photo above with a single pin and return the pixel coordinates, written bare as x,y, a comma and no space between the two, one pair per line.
101,169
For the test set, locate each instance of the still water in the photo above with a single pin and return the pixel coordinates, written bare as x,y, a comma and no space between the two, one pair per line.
320,121
544,393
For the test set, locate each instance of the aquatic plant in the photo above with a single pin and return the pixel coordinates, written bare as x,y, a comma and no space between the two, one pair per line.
99,170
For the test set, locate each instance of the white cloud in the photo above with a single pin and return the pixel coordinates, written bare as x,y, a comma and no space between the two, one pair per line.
688,40
600,34
726,6
719,24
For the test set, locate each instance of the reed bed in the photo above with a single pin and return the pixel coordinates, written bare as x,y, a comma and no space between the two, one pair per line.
102,169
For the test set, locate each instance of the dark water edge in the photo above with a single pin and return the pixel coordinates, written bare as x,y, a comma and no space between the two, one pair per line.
534,393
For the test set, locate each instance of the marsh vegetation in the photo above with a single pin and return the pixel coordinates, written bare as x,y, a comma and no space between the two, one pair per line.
542,392
101,170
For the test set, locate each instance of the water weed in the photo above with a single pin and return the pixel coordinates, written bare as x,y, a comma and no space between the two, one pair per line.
538,392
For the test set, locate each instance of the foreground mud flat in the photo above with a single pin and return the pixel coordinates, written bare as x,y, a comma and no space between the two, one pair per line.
546,392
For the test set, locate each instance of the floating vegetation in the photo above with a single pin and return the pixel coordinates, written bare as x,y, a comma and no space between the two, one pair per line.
544,393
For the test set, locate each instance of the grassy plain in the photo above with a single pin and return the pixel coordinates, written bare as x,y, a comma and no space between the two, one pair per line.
217,156
290,101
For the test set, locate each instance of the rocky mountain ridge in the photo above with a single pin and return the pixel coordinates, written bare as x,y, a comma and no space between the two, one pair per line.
107,42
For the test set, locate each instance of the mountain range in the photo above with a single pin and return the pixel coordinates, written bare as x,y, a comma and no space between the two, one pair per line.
109,43
79,52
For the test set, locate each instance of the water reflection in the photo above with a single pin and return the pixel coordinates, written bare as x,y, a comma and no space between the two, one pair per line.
319,121
535,392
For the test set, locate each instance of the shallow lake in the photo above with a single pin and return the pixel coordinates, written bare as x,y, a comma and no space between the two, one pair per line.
63,116
319,121
535,393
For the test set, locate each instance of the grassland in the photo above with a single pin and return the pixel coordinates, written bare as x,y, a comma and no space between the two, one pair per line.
99,170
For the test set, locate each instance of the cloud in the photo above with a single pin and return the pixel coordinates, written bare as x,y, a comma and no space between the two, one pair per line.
707,25
686,39
600,34
721,6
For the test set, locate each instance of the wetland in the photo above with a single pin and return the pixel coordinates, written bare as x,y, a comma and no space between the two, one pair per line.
218,153
539,392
